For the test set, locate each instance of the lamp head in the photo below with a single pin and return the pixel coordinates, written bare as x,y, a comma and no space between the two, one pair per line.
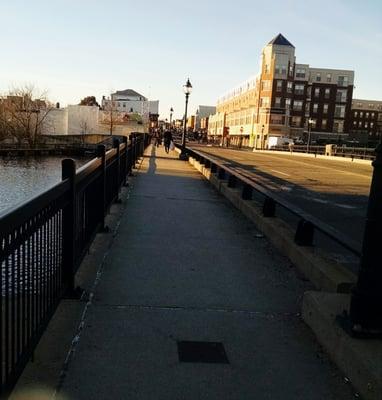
187,88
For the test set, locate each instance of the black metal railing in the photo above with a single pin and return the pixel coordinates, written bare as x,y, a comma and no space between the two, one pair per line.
42,244
307,223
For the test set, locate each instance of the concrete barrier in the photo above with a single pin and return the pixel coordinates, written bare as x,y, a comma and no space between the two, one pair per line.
359,360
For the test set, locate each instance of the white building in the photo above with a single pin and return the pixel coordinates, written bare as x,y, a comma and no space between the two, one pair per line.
130,101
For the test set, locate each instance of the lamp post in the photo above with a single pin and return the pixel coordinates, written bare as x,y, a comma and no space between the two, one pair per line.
310,123
187,88
171,111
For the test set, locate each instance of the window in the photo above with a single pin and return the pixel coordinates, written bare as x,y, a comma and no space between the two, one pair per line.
367,115
342,80
299,89
339,112
264,102
371,124
309,92
307,108
328,78
355,114
372,115
355,123
289,87
296,121
315,108
300,73
325,109
266,68
323,124
361,114
316,92
291,70
279,86
366,124
297,105
265,85
280,69
124,105
276,119
287,103
359,123
277,101
318,77
341,95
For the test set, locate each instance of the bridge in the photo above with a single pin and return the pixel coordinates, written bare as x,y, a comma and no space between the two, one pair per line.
179,295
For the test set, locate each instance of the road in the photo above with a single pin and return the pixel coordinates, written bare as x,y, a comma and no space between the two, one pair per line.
334,191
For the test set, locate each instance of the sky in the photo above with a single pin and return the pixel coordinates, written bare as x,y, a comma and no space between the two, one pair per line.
78,48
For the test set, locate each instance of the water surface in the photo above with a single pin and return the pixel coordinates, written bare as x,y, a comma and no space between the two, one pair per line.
22,178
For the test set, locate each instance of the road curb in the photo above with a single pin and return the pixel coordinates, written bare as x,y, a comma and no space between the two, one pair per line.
324,274
359,360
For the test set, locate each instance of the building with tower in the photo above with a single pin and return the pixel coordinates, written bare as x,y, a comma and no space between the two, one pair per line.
282,98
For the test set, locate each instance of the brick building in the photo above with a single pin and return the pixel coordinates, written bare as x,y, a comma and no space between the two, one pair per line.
366,120
283,97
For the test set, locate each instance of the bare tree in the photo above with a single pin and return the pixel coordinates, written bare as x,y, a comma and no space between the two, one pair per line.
23,112
110,107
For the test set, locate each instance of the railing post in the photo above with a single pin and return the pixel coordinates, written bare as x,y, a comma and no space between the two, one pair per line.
130,156
69,227
126,164
118,180
231,181
101,153
221,173
133,150
269,207
366,299
246,193
304,233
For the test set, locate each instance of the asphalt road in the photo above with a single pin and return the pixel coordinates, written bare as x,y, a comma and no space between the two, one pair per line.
336,192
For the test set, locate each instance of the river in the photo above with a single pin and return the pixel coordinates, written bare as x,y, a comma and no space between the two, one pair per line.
22,178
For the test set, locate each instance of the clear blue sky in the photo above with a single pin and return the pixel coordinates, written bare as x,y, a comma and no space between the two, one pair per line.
75,48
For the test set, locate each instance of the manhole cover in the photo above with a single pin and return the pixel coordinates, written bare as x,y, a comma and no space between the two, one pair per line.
202,352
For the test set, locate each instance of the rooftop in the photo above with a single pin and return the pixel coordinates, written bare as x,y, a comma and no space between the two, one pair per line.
129,92
281,41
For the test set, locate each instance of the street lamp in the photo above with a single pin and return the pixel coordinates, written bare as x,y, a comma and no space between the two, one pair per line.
171,111
310,123
187,88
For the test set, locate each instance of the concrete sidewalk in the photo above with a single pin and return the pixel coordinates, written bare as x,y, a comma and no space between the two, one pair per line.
186,266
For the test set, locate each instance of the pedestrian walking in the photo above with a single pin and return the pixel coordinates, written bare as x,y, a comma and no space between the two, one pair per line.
167,139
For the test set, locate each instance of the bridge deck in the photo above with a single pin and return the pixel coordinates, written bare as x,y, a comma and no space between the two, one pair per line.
186,266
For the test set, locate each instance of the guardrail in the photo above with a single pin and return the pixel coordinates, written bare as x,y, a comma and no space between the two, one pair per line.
338,151
307,224
42,244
